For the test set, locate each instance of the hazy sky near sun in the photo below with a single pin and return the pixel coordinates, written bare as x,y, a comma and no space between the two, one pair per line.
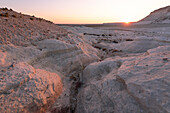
86,11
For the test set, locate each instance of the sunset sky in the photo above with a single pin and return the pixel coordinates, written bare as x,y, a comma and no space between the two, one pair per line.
86,11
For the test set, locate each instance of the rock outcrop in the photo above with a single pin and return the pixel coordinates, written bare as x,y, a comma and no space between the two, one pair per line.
26,89
130,84
47,68
38,62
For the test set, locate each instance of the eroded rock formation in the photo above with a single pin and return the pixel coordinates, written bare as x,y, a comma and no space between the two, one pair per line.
47,68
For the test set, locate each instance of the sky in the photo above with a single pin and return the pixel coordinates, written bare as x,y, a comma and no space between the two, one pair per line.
86,11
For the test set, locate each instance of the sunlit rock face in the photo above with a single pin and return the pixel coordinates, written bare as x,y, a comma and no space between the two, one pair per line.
37,60
68,69
63,57
26,89
131,85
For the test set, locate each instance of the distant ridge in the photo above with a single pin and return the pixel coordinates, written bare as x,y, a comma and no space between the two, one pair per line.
161,15
158,16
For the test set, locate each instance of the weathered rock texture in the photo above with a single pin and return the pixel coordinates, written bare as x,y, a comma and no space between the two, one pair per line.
128,85
37,62
26,89
46,68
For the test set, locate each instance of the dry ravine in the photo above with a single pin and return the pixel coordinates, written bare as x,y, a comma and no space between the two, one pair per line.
45,68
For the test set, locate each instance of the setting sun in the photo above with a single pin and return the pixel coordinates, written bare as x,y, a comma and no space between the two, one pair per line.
84,56
127,22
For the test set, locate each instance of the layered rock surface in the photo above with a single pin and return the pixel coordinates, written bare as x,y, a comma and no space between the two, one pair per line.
26,89
37,62
127,85
46,68
135,77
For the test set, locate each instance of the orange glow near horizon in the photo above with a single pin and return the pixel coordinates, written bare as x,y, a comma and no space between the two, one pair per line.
86,11
127,23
